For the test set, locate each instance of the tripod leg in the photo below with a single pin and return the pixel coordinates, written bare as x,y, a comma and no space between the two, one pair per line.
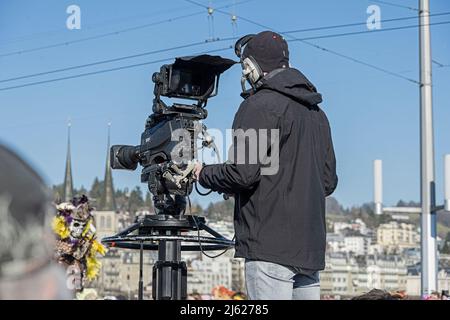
141,267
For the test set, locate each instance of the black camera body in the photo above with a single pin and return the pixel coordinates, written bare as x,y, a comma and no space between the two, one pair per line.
156,153
169,142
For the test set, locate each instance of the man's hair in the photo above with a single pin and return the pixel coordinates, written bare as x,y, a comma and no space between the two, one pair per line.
376,294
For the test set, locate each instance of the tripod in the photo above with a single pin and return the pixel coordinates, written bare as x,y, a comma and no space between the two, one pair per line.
164,233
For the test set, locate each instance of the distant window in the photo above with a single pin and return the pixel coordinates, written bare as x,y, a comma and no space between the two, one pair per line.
102,222
108,222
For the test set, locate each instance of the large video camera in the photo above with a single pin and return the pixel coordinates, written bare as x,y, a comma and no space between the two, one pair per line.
166,153
169,141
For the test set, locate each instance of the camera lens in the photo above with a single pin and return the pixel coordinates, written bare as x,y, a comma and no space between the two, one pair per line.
156,77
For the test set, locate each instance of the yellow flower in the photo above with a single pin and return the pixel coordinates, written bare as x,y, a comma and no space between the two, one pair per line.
93,267
86,228
60,228
98,247
92,264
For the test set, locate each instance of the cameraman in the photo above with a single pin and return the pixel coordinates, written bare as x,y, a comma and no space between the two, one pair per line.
279,216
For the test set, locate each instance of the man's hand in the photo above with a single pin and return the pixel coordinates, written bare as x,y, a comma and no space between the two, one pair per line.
198,168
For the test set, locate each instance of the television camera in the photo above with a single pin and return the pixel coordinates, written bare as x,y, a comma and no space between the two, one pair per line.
167,154
168,143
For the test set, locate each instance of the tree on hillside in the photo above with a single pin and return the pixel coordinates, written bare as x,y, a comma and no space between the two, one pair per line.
135,200
196,209
221,210
96,189
58,191
148,203
81,191
332,206
446,247
402,203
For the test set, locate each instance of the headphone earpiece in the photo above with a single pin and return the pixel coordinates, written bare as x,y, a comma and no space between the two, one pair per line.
251,70
241,43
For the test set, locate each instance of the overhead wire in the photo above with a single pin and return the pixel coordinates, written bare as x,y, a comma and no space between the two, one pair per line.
226,39
370,31
104,35
103,71
355,24
94,26
322,48
113,33
396,5
204,42
104,61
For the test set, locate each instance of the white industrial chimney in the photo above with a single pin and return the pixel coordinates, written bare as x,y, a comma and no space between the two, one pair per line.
447,182
378,186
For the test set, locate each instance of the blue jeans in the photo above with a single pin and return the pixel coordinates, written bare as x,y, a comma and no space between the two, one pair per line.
270,281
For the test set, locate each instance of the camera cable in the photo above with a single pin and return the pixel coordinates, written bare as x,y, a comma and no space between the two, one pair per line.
198,191
198,234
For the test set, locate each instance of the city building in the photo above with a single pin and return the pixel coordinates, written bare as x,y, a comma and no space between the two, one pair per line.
129,273
106,223
348,241
238,274
204,274
395,236
385,272
335,242
107,283
413,277
225,228
340,275
357,225
357,244
347,275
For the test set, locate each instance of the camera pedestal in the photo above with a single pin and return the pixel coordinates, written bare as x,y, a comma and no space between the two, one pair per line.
165,233
169,273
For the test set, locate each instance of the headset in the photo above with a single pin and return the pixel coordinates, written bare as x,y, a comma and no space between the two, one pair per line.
251,71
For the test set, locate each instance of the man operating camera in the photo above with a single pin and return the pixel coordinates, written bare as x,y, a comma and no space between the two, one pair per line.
279,214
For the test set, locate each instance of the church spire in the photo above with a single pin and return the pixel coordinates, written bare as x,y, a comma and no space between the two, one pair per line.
108,201
68,182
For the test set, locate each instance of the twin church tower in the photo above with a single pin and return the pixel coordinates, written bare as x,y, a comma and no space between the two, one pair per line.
107,201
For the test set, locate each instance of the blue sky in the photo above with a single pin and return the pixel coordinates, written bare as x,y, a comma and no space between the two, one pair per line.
373,115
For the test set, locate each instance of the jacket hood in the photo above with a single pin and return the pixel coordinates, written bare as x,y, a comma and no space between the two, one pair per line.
292,83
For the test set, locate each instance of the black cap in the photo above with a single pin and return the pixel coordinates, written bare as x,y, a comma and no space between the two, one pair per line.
269,49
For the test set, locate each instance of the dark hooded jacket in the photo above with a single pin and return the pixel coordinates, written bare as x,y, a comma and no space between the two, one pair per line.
281,217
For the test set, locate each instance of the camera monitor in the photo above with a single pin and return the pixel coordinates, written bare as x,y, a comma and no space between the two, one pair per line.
193,77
